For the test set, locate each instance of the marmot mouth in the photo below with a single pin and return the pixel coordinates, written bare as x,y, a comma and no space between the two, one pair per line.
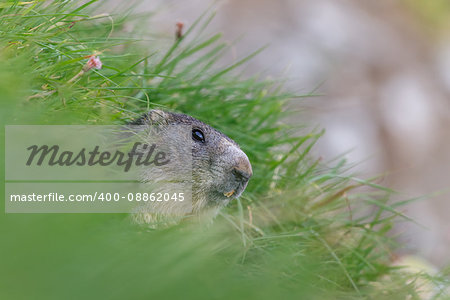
230,193
235,191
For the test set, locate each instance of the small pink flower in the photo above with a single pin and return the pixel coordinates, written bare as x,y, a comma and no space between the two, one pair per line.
179,31
93,63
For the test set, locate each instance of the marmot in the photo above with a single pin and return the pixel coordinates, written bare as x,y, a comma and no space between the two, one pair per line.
220,169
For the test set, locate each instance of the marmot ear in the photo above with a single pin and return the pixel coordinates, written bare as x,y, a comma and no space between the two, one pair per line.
158,117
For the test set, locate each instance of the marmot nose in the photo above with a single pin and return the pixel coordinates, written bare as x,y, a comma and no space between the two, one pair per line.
243,169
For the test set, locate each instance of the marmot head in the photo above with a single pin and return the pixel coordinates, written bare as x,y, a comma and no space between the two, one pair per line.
220,169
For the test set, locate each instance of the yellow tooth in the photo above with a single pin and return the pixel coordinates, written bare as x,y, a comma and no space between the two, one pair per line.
229,194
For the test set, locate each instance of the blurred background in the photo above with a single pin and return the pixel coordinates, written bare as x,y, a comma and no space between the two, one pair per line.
381,73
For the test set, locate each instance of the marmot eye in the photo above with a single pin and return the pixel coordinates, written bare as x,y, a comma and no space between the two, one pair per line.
197,135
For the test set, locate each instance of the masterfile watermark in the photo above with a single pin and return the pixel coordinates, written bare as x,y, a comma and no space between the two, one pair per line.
97,196
53,156
97,169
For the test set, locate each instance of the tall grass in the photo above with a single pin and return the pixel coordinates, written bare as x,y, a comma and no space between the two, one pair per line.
303,229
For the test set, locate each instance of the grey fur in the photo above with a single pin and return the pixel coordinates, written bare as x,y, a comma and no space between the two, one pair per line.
219,166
